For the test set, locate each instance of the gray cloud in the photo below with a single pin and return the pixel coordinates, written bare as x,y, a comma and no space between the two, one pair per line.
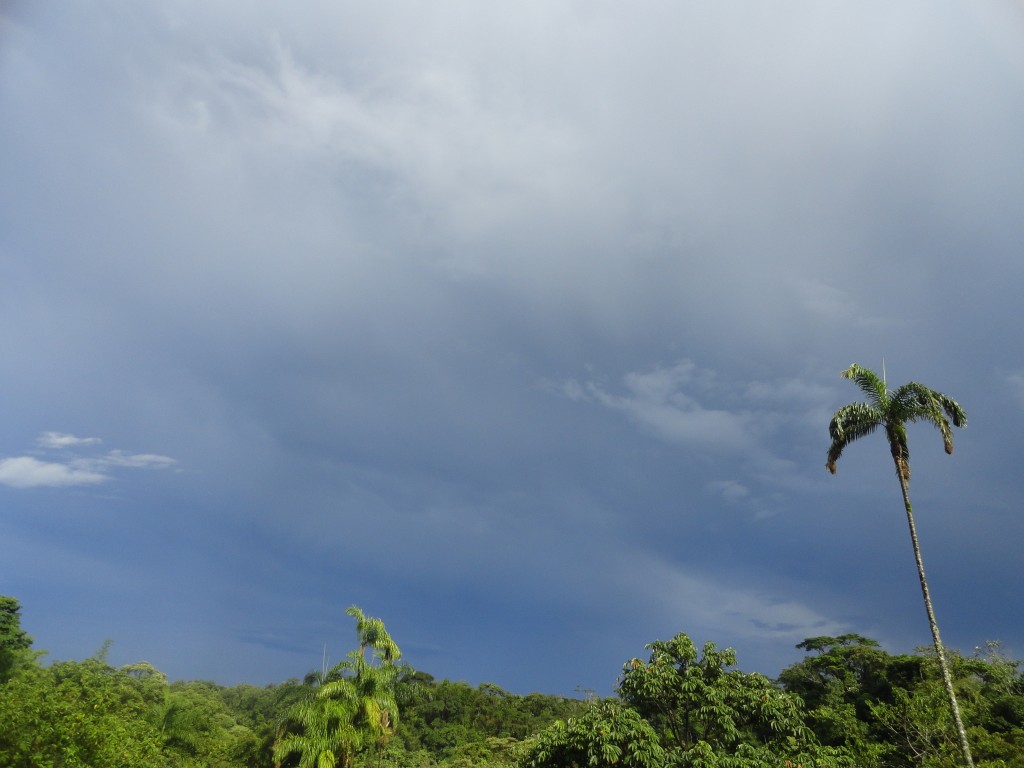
498,319
656,400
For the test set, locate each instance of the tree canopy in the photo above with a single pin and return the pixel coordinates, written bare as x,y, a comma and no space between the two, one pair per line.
847,702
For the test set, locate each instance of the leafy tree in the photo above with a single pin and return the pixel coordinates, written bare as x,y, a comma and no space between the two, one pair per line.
198,728
453,723
918,725
707,714
492,751
607,734
1000,703
990,691
263,710
75,715
893,410
13,640
840,683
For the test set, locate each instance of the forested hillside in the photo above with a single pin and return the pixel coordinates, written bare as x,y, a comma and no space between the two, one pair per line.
846,703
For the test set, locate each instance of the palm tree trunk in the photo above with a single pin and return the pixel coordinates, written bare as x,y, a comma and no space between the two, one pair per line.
965,748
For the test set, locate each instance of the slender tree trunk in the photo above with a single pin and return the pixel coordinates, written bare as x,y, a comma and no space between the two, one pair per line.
965,748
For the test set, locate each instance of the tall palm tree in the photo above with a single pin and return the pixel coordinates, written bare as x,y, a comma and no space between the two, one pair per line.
893,410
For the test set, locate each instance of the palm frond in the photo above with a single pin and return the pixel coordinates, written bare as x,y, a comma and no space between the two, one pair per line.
835,451
911,402
916,402
956,414
854,420
868,382
850,423
340,691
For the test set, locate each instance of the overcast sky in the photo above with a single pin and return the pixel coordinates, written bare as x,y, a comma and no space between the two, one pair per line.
517,325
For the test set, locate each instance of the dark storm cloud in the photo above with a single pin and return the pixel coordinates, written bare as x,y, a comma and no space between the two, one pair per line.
503,320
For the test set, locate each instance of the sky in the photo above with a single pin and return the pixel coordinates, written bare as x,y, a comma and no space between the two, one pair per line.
517,325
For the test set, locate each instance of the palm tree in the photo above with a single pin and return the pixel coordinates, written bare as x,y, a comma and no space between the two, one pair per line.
325,736
353,706
893,410
371,682
370,690
372,634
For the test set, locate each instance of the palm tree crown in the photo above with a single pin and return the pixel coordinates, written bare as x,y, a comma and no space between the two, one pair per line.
891,410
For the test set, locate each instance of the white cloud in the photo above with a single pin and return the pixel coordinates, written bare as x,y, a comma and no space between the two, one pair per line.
28,472
64,440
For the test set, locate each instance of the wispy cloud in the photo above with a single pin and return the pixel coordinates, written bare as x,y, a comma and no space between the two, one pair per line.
721,609
657,400
702,410
731,491
64,440
32,472
137,460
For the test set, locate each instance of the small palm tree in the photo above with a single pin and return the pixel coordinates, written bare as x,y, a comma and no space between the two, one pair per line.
893,410
326,736
353,706
372,634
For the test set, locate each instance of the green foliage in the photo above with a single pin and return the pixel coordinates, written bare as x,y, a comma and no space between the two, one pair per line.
846,703
76,715
199,729
441,718
326,736
891,710
491,751
607,734
14,643
354,707
699,706
688,709
841,683
920,726
372,634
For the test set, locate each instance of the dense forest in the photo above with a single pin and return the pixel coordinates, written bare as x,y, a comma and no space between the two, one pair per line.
846,703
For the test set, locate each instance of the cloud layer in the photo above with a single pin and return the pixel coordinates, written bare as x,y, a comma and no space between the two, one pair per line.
526,320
